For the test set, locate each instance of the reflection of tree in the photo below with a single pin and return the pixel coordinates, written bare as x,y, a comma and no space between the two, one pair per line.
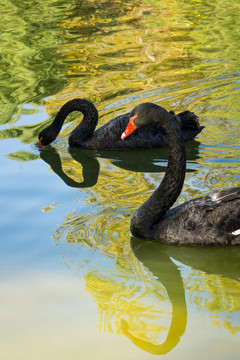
31,68
222,303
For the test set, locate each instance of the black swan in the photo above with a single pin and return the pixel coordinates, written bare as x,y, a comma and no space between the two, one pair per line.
210,220
107,137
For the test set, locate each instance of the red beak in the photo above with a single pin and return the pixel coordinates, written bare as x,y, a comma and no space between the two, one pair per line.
40,142
130,128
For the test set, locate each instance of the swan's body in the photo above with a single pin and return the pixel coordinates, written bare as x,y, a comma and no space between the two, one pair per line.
210,220
108,137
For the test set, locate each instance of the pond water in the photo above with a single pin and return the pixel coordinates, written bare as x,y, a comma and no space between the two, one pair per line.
74,282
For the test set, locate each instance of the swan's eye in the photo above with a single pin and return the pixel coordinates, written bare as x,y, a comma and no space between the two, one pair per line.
134,117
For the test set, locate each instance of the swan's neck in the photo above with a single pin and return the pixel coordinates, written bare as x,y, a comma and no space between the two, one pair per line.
87,125
152,211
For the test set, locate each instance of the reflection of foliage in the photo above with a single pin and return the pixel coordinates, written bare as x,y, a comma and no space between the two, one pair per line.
24,133
121,297
22,156
31,71
223,298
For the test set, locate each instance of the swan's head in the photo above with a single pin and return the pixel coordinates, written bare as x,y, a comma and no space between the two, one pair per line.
141,115
46,136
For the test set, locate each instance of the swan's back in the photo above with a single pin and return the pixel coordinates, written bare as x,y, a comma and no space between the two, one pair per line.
149,136
209,220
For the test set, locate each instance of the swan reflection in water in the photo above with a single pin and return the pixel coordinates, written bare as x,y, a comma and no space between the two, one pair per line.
148,160
90,167
164,269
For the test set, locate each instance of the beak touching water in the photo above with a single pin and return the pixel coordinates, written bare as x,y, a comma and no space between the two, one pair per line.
130,127
40,142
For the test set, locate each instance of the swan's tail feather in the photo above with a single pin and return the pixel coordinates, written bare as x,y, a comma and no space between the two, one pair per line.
189,121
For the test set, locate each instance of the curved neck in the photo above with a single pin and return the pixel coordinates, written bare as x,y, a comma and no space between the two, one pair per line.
152,211
89,122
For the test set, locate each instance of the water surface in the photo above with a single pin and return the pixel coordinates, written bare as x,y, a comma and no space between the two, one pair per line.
74,282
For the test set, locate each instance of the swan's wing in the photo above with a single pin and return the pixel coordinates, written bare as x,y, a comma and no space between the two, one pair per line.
217,199
210,220
227,195
108,136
